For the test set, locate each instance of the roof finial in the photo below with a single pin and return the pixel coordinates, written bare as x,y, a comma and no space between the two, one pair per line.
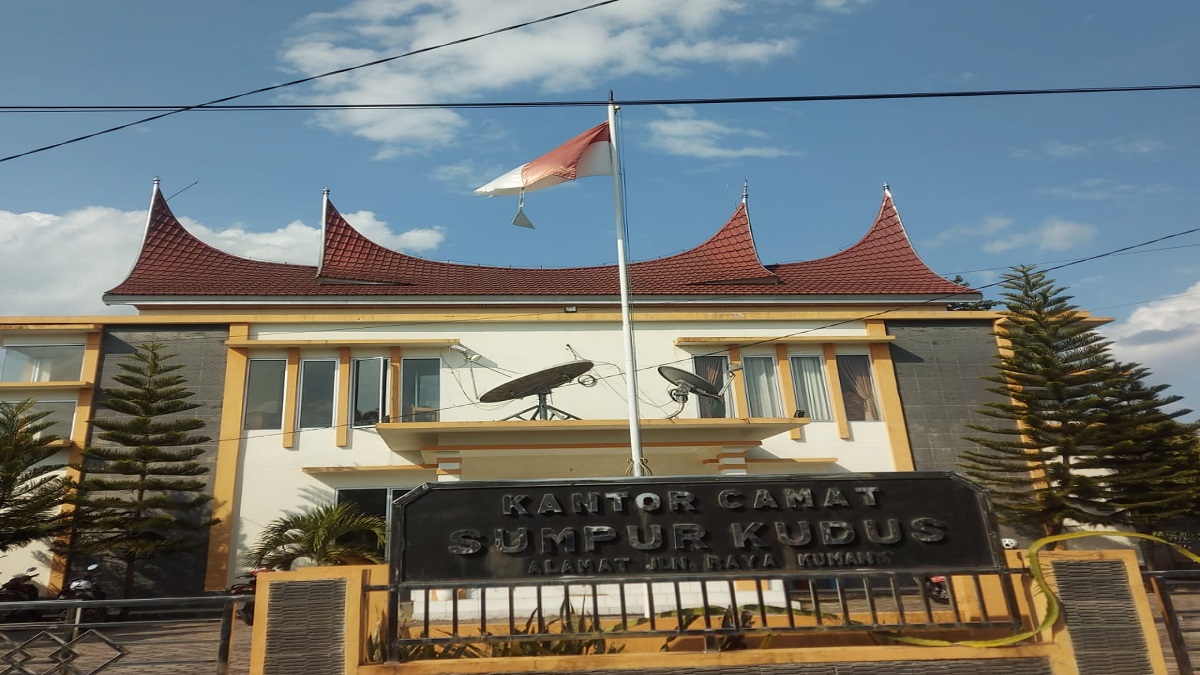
325,192
745,189
156,181
886,189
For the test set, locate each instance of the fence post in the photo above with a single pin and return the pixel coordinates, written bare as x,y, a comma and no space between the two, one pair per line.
223,641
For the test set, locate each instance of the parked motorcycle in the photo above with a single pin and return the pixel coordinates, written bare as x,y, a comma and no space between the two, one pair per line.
20,589
85,587
246,610
937,588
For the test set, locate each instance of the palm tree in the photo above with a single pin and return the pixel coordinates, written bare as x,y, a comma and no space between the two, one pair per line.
329,534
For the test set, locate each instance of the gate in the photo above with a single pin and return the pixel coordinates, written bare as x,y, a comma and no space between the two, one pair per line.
182,636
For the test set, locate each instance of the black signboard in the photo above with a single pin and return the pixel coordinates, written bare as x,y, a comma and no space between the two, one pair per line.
694,525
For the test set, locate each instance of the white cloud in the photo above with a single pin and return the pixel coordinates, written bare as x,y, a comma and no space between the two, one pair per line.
94,248
1102,188
1057,149
685,134
1054,234
1165,335
570,54
999,234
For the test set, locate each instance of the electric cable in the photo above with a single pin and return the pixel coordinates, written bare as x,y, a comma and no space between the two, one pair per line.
304,80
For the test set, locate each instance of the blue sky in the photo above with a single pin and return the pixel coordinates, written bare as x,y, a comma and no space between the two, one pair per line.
981,183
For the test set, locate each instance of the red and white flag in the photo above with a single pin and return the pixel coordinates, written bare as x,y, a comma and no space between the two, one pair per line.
587,154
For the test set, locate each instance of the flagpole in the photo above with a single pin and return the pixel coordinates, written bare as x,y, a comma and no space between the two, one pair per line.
631,388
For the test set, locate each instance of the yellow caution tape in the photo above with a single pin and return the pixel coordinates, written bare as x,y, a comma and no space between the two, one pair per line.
1053,606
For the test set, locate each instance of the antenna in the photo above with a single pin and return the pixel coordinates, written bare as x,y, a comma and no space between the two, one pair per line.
686,384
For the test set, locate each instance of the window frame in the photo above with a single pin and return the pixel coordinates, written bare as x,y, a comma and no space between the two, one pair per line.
799,387
301,393
871,404
283,384
384,394
409,399
703,403
754,406
78,356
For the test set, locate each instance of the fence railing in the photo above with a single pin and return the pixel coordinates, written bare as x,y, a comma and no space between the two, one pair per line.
1178,593
571,616
86,637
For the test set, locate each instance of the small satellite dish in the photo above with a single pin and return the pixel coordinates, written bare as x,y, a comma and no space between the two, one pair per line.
685,384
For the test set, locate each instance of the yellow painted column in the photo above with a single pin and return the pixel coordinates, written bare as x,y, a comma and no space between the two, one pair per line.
893,413
341,401
393,411
225,477
790,404
829,352
291,380
84,409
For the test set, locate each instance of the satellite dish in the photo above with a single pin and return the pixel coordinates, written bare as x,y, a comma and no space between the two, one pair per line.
685,384
539,384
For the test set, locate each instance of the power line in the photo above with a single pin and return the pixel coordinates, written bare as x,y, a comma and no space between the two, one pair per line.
303,80
313,107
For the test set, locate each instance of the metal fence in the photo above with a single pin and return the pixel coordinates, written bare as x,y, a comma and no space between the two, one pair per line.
174,636
574,616
1178,593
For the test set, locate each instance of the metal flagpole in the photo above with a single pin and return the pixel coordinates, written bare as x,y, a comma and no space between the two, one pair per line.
631,388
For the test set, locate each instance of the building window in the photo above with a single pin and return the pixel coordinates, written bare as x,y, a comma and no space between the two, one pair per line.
812,393
61,417
713,369
318,384
420,389
372,501
368,391
858,391
264,393
762,389
41,363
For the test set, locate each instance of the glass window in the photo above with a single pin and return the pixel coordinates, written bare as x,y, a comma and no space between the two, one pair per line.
373,501
762,389
858,391
420,389
318,382
264,393
368,389
812,392
61,417
41,363
713,369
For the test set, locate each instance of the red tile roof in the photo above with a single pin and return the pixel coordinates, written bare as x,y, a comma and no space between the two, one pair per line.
174,264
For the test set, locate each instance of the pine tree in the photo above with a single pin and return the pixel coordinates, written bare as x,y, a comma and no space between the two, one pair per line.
31,494
1053,378
140,497
1152,459
1086,440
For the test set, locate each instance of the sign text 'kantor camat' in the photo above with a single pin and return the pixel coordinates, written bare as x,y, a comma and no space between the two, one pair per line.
710,526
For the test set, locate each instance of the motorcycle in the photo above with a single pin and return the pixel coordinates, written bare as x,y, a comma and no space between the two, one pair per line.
245,610
20,589
85,587
937,589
